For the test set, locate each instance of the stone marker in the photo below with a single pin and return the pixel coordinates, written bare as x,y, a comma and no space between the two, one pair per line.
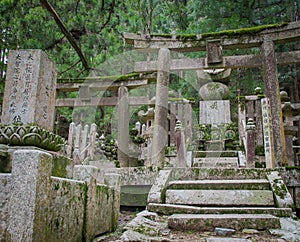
180,145
30,87
215,112
268,133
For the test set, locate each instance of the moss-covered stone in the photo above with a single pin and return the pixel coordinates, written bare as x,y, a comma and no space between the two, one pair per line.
30,135
117,78
231,32
62,166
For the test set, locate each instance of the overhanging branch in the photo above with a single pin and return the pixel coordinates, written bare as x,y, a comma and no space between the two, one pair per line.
65,31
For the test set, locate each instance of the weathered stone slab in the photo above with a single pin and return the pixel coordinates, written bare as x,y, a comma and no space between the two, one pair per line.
5,188
134,195
282,197
29,206
101,212
135,175
214,239
220,197
214,112
208,222
29,94
218,173
155,194
86,172
67,204
169,209
148,226
228,162
255,184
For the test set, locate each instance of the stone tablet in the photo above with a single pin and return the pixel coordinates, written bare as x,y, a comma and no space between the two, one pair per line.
30,87
215,112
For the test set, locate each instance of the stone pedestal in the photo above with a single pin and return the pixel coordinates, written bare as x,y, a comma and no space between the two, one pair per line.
30,87
29,201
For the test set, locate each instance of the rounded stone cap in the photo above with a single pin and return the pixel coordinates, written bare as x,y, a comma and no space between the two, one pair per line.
214,91
284,96
258,90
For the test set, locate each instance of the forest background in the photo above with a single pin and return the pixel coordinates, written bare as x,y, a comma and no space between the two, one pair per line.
96,27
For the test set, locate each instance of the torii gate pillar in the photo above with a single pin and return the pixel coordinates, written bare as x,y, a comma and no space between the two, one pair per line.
160,129
273,93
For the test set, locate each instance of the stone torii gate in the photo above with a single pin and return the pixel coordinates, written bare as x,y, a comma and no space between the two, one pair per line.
263,37
121,84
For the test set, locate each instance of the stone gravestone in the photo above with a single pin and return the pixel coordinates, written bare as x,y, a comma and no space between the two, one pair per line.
29,94
268,133
215,112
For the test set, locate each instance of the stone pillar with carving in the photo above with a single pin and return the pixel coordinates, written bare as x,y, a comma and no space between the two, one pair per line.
30,87
250,142
29,101
180,145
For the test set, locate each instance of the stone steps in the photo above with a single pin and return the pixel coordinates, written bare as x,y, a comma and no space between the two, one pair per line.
221,197
169,209
225,162
203,199
249,184
208,222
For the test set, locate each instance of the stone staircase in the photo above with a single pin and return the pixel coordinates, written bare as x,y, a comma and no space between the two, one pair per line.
205,198
211,159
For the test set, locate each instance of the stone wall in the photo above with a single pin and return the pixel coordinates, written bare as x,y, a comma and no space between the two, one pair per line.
37,206
79,211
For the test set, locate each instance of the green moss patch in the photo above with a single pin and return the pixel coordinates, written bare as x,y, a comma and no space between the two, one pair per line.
229,33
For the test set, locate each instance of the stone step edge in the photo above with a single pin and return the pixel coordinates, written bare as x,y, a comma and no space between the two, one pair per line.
223,198
169,209
208,222
249,184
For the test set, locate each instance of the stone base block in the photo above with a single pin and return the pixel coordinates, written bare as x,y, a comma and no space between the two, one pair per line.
208,222
220,197
249,184
169,209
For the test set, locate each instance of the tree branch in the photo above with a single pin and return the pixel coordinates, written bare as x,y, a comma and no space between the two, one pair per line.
65,31
111,10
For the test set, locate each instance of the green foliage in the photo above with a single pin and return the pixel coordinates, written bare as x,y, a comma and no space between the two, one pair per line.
97,28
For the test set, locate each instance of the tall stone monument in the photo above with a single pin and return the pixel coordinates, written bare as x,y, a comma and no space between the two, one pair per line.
29,94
